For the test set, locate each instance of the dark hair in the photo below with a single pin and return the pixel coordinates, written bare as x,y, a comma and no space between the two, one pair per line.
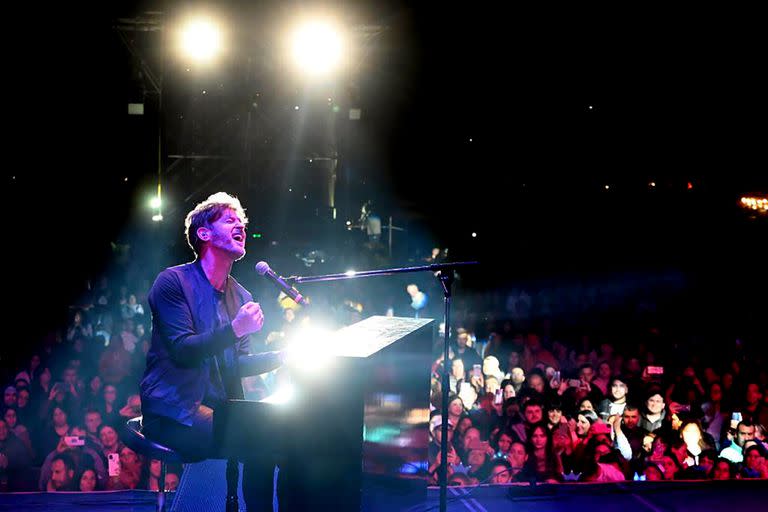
554,405
82,472
652,391
731,468
631,407
530,468
755,447
704,443
105,425
532,402
66,459
746,423
208,212
53,411
502,432
591,416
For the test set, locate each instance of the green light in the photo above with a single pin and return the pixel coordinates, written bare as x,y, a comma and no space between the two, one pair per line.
256,235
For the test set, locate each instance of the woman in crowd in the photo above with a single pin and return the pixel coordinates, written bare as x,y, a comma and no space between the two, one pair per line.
696,441
87,482
543,464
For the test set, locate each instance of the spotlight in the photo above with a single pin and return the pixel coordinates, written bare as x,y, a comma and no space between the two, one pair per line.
317,47
155,202
201,39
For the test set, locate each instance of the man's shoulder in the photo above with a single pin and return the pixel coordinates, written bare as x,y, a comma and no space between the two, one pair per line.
175,272
184,268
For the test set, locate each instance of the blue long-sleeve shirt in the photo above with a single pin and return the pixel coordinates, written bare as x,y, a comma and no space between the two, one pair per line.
191,360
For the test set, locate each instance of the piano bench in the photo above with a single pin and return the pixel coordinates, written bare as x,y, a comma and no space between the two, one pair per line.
135,439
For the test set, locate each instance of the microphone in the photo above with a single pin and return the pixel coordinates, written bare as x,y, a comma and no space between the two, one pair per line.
263,269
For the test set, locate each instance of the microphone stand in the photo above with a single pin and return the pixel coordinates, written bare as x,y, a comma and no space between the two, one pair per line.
444,272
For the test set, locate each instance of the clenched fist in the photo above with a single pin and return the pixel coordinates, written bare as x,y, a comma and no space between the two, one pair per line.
249,319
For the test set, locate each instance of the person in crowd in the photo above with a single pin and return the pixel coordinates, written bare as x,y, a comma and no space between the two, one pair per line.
25,410
754,465
602,380
56,428
723,469
31,371
714,419
653,416
129,477
62,476
109,440
465,352
753,409
11,418
500,470
80,454
517,457
153,477
79,327
93,423
543,465
628,436
601,463
10,398
614,404
502,443
110,412
87,481
533,413
745,431
696,442
15,461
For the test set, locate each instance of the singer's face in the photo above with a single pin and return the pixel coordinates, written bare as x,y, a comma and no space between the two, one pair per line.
228,234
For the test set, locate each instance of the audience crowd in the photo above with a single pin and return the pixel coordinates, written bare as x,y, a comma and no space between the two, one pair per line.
539,407
531,400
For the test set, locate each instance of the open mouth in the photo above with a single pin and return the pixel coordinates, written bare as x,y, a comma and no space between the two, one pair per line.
239,237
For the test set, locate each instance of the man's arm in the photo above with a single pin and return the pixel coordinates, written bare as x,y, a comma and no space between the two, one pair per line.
255,364
173,317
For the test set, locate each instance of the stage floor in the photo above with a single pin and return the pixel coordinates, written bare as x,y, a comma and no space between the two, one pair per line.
613,497
624,497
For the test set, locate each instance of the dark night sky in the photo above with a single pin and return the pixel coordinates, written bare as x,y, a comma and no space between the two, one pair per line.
676,97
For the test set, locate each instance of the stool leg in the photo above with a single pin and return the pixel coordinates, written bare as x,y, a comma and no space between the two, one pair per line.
161,488
233,475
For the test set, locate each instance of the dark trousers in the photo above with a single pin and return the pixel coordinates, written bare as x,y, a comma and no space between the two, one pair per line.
195,443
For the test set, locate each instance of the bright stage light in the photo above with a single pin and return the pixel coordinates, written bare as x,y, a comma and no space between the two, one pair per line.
201,39
317,47
155,202
308,350
157,218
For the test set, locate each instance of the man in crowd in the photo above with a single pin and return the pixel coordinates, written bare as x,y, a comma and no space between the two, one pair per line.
745,431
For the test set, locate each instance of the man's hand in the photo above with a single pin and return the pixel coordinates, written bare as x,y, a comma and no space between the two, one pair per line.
249,319
616,423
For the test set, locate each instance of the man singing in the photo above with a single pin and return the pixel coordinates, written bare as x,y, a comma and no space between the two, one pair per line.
201,322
